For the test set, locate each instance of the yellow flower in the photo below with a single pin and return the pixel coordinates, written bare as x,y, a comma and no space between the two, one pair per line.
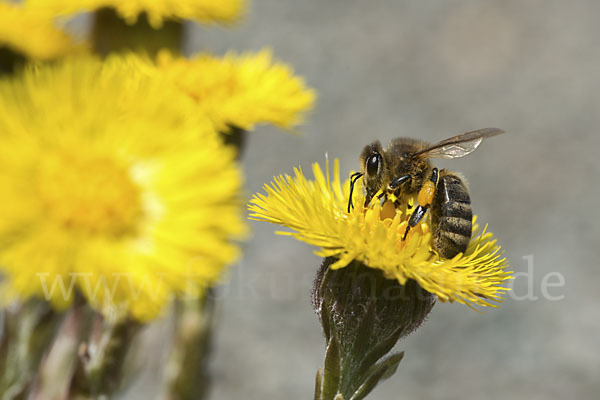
316,212
241,90
205,11
113,186
31,33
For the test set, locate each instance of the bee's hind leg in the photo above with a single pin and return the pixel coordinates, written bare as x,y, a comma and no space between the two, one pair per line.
415,217
425,198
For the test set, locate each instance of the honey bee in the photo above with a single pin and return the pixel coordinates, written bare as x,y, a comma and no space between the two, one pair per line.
404,169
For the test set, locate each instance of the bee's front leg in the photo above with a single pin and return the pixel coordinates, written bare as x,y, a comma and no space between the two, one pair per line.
353,178
425,198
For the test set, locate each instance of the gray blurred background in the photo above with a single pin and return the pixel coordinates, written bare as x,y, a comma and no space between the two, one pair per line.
433,69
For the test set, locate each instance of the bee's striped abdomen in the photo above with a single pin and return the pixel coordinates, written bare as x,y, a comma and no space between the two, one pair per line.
452,216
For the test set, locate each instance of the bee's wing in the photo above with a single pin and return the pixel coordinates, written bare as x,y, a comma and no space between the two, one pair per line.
458,146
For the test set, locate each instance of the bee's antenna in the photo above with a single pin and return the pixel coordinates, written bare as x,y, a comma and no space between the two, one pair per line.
353,178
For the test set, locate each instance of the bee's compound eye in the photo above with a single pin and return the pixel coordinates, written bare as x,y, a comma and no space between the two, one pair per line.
373,163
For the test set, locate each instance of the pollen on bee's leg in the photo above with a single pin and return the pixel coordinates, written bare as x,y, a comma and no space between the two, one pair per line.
426,194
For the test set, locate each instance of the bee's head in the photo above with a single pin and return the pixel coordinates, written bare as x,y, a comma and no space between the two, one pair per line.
373,169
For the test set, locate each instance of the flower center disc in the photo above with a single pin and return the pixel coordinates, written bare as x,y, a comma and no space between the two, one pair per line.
94,195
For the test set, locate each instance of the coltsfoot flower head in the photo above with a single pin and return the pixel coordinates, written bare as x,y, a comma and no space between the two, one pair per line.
316,212
241,90
112,186
32,33
205,11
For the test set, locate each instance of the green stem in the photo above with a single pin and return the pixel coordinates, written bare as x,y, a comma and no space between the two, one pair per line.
58,365
111,33
25,334
101,358
235,137
10,61
186,373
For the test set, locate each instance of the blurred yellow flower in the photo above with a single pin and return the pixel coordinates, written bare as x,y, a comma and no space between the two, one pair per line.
205,11
242,90
31,33
316,212
112,186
